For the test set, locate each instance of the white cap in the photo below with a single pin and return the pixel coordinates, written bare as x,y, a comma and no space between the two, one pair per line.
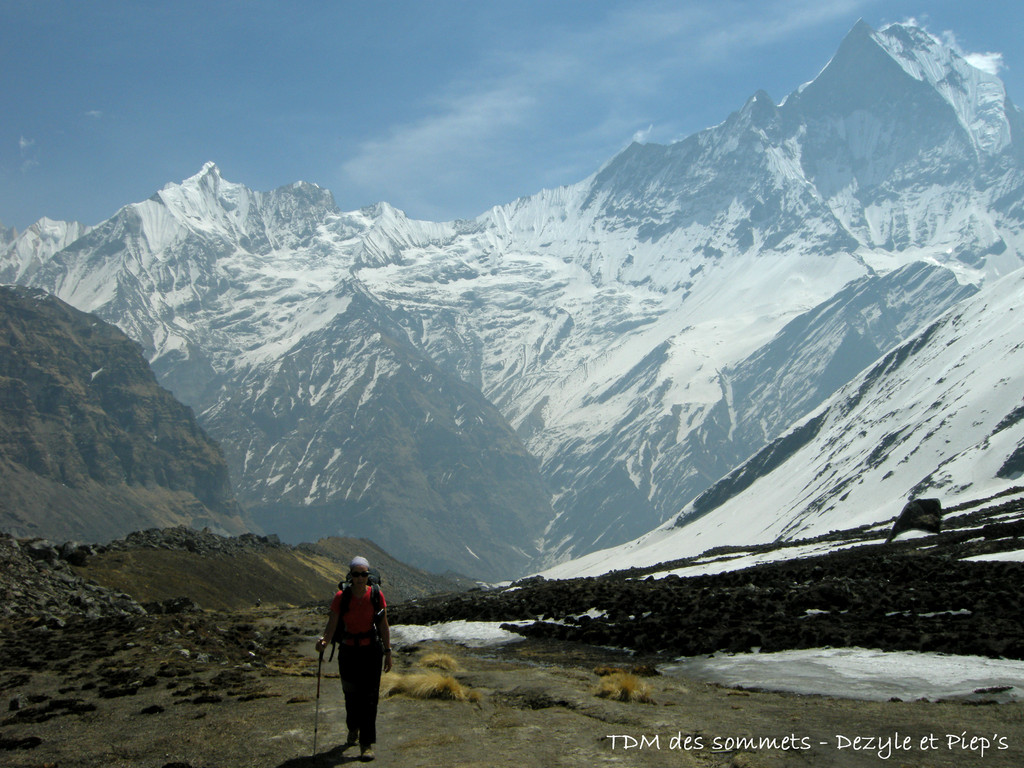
359,561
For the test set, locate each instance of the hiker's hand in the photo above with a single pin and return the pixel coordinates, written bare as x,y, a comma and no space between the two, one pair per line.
321,643
387,661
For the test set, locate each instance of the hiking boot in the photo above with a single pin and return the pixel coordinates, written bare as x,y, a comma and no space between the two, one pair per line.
366,753
352,739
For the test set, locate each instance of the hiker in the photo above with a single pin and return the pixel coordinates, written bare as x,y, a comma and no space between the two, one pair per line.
364,640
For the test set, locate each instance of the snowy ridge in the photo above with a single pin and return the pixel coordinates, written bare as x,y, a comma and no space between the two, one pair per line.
939,416
977,96
26,252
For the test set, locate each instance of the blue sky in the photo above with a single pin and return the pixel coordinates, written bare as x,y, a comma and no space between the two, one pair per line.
442,108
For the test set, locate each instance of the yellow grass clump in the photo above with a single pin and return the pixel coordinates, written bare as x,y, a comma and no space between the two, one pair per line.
427,685
441,661
622,686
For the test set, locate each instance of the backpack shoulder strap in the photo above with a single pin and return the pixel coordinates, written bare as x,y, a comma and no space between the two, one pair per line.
346,598
339,631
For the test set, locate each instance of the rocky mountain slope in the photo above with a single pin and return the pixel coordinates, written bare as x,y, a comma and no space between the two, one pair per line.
567,371
951,592
180,570
91,446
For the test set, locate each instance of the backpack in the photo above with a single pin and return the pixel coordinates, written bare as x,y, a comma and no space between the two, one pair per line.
378,613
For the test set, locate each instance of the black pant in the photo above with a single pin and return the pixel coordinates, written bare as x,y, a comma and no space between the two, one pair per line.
360,668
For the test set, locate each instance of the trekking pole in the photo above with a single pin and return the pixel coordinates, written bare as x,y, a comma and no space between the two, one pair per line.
316,722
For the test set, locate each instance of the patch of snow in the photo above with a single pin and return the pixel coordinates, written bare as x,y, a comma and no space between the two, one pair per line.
473,634
859,673
854,673
1016,556
736,562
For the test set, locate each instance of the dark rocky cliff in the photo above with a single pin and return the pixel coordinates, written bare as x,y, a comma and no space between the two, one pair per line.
91,447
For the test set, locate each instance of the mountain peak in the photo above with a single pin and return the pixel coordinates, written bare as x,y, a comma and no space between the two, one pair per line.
209,176
207,194
209,169
906,71
23,252
760,109
968,84
861,29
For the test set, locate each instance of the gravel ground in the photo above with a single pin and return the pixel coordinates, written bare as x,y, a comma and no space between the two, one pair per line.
208,690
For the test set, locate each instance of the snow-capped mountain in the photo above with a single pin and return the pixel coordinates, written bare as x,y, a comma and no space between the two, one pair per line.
22,254
331,420
570,370
940,415
610,320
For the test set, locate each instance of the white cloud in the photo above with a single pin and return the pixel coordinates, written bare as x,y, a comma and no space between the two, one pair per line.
986,62
990,62
580,90
433,155
28,156
641,136
95,114
770,24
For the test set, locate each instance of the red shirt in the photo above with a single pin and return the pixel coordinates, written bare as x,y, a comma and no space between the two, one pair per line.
358,619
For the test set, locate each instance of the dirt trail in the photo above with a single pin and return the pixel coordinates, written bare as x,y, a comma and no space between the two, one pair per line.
238,691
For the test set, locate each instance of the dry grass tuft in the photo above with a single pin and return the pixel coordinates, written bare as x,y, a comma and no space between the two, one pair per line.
441,661
621,686
427,685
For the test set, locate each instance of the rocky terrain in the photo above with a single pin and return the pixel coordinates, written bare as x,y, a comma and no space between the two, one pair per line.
46,583
95,676
199,689
915,594
39,585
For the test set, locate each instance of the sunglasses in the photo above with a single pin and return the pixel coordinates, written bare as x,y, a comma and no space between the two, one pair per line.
358,574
